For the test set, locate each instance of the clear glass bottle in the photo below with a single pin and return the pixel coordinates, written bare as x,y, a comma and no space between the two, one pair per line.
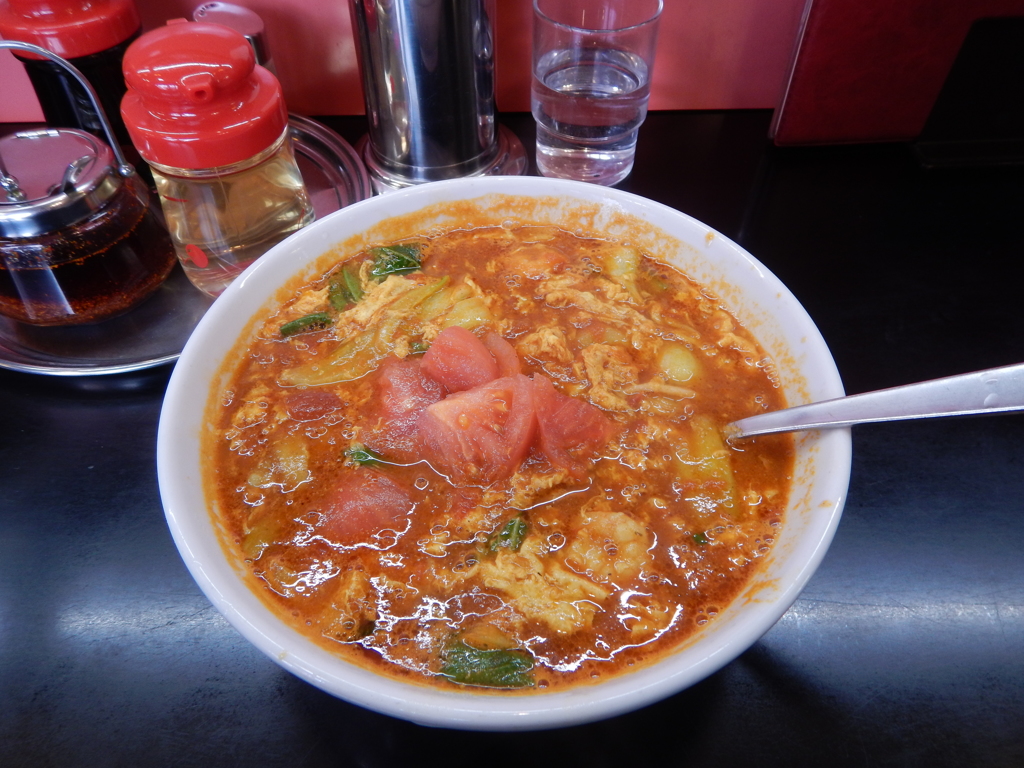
222,219
213,127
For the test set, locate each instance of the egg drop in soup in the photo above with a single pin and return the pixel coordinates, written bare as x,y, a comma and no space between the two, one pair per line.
494,457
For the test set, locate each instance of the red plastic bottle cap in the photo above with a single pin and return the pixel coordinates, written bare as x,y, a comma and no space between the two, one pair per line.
69,28
197,99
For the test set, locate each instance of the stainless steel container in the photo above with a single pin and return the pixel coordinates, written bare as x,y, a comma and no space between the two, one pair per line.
427,68
242,20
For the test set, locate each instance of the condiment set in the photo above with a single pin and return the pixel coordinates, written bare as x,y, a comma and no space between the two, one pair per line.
197,107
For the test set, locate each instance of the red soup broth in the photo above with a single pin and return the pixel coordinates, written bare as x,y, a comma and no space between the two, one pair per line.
494,457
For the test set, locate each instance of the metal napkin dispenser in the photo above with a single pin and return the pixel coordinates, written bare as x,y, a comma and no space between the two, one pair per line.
427,69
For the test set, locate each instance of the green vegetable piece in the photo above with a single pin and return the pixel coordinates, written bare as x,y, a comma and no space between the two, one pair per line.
394,260
359,355
701,538
418,347
344,289
510,536
313,322
350,273
462,663
338,295
705,465
363,456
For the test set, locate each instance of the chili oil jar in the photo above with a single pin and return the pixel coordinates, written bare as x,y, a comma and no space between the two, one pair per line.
79,240
92,35
213,126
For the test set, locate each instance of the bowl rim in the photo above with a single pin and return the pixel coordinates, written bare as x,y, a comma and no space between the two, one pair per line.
178,473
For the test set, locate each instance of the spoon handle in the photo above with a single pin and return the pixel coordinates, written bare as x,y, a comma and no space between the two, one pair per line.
995,390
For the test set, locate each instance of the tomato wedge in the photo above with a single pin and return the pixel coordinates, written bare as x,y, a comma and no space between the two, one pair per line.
403,391
504,353
459,360
365,502
570,432
481,435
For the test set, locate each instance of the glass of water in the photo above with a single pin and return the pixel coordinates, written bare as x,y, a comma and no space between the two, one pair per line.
592,62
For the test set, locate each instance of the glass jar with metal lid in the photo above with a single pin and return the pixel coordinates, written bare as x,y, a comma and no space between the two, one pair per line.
79,242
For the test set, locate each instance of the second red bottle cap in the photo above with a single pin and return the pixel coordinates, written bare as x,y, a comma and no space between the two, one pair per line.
197,99
69,28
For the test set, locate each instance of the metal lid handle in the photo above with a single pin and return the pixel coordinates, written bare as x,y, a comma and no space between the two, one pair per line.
124,168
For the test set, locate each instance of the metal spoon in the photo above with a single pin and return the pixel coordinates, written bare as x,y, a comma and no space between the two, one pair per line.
995,390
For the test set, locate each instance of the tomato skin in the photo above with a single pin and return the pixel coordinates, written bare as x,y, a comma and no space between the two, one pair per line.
570,431
504,354
365,502
459,360
481,435
403,391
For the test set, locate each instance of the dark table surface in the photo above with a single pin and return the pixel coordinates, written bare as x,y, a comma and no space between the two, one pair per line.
906,648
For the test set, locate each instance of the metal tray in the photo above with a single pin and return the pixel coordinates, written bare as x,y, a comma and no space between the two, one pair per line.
155,332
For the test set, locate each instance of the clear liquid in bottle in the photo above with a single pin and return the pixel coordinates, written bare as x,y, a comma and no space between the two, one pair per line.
223,219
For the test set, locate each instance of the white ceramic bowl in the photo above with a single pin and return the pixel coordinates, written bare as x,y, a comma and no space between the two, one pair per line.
754,295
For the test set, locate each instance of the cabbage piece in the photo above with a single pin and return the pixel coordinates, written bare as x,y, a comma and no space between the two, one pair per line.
469,314
267,530
361,354
442,301
705,469
285,464
600,333
622,264
457,305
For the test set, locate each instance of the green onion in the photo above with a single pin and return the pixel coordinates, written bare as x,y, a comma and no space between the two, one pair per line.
394,260
509,537
363,456
313,322
351,275
700,538
462,663
338,295
344,288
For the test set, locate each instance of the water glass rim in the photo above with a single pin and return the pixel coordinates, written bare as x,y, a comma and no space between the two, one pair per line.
660,5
